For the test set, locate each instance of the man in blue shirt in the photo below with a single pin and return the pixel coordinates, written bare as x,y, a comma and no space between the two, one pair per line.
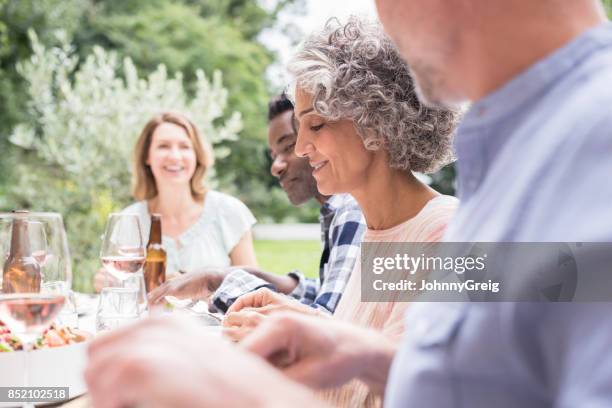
533,165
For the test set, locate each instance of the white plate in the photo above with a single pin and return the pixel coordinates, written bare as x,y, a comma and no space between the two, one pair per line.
53,367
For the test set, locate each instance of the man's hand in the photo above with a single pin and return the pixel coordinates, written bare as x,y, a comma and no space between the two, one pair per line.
322,353
138,366
283,283
195,285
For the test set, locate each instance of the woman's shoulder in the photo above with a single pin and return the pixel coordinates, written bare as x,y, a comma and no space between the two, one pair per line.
225,203
442,204
230,215
438,210
139,207
434,218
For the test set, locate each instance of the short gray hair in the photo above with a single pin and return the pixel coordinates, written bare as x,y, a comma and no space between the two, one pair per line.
355,72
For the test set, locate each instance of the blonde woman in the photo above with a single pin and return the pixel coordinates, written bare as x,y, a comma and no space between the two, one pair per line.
202,228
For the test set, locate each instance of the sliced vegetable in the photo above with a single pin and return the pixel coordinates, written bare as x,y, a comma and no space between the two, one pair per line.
5,347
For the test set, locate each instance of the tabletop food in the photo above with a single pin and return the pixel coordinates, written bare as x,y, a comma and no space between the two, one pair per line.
54,336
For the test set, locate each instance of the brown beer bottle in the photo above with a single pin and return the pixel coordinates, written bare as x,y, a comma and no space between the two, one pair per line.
155,264
21,272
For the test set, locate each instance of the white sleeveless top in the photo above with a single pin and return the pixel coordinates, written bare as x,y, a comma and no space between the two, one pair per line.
209,241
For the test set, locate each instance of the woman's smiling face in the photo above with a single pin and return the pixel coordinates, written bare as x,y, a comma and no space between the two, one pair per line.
336,152
171,155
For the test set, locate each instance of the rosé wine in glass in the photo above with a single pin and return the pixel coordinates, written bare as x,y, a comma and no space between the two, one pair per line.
28,315
122,266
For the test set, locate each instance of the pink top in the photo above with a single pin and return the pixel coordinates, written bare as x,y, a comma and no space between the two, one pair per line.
388,317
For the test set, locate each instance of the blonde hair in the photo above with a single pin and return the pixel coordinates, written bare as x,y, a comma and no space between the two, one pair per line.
143,181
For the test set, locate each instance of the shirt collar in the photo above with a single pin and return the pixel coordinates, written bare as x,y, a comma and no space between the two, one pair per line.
532,82
482,133
332,204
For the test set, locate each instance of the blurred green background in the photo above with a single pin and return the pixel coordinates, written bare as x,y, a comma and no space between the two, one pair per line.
284,256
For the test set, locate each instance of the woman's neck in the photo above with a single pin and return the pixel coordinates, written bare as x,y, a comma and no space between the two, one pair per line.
173,202
389,197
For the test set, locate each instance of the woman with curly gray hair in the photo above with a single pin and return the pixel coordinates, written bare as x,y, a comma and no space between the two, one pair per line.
364,132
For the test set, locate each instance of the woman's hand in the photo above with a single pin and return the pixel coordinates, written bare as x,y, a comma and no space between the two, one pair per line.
249,310
265,301
238,325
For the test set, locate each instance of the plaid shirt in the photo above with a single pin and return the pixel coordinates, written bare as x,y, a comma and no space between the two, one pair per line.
342,228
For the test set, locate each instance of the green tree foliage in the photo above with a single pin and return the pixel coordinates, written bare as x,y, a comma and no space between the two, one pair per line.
16,17
74,147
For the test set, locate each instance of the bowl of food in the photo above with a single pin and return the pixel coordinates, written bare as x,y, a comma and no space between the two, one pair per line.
58,360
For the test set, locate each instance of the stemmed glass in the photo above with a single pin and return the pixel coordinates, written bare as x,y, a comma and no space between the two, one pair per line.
123,249
68,315
25,310
123,254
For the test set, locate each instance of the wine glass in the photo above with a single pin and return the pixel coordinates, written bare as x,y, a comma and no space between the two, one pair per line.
24,309
123,249
68,315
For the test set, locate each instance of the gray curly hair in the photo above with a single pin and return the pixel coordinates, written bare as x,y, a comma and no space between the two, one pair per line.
355,72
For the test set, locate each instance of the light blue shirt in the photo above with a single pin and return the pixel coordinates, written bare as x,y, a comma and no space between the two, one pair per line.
535,164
